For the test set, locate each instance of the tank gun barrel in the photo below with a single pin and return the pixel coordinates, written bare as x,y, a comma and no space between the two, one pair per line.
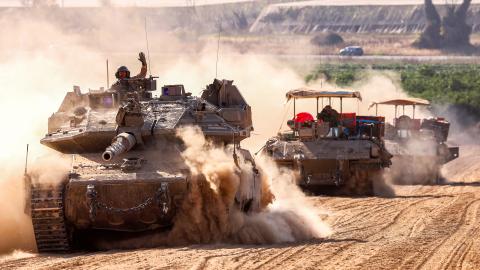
122,143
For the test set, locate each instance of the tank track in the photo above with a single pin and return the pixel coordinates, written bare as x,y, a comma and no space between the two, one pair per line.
361,182
48,220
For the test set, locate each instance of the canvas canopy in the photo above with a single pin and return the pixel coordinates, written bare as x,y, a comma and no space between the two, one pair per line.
312,93
403,102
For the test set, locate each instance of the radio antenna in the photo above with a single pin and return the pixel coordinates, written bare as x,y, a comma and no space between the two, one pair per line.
148,49
218,47
108,81
26,162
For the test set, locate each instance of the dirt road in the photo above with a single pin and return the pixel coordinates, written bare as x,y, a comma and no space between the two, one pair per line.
424,227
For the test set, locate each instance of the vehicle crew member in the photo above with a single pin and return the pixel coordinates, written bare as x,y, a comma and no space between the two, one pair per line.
123,75
330,115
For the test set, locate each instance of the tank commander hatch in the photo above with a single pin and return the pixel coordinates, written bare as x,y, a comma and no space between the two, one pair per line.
123,75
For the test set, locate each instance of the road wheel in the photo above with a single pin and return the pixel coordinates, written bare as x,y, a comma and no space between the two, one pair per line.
359,183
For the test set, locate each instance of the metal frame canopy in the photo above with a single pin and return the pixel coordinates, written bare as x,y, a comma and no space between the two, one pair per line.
401,102
304,93
312,93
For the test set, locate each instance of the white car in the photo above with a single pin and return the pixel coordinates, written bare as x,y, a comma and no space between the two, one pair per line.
352,51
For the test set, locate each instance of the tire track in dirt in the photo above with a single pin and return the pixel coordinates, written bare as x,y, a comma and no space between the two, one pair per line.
346,203
83,262
328,246
440,228
426,227
399,250
390,247
274,261
346,220
336,257
458,244
257,259
206,260
256,256
308,253
327,249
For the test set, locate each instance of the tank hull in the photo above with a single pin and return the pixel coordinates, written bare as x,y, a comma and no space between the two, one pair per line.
127,202
351,167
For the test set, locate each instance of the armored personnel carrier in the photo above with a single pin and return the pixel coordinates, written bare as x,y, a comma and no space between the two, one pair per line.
418,146
340,150
127,173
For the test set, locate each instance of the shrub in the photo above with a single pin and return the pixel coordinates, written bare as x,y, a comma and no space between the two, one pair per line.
326,39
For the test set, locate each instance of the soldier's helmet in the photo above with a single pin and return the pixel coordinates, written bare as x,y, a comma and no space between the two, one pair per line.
122,69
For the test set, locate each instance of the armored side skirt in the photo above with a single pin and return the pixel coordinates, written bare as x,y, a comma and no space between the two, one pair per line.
133,203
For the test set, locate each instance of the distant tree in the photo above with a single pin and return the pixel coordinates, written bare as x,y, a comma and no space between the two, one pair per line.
451,31
456,31
431,37
327,39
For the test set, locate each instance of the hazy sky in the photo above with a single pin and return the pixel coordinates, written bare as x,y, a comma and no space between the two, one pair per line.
70,3
83,3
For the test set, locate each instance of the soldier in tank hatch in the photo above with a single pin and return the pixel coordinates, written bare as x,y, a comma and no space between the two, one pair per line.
123,75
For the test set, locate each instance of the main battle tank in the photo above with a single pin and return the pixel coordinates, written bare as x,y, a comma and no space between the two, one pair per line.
419,146
340,150
127,173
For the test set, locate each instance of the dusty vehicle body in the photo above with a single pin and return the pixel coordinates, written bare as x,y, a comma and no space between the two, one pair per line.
351,51
128,174
349,157
418,145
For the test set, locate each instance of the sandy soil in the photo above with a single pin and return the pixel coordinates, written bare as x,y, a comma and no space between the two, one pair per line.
424,227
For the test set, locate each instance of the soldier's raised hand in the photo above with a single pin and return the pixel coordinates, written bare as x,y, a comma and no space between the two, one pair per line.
141,58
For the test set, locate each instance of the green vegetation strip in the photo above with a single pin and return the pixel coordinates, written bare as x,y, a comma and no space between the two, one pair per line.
457,84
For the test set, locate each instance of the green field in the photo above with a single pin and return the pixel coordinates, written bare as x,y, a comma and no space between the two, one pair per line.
449,84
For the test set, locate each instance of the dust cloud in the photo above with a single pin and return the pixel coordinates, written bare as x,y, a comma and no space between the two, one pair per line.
210,213
415,163
380,86
35,73
15,227
289,219
16,255
464,132
43,60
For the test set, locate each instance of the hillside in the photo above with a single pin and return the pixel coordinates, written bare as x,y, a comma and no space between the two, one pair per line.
350,16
